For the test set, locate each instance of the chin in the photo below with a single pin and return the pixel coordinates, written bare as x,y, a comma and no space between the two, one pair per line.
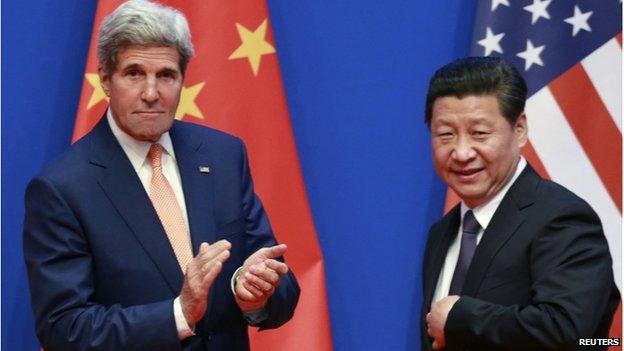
467,195
153,134
150,137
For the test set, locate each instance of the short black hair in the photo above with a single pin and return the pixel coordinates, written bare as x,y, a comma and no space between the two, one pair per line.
479,76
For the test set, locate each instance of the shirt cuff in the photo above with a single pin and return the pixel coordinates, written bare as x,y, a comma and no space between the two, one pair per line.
233,280
184,330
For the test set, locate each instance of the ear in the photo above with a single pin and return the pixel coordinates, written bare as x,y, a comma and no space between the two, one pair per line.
104,80
521,130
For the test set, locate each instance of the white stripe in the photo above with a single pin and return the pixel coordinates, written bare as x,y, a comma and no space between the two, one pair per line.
604,68
567,164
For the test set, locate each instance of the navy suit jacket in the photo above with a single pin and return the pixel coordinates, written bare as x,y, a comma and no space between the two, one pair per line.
540,279
102,272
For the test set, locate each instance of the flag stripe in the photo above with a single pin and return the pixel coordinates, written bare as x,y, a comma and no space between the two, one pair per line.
616,328
452,199
588,117
619,38
567,163
531,156
604,68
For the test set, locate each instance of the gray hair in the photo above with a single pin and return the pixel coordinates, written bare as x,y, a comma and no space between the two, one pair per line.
141,22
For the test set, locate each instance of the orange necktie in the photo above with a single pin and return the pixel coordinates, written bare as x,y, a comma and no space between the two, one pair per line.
168,209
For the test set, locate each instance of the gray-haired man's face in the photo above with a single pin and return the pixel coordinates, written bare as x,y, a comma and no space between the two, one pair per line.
144,90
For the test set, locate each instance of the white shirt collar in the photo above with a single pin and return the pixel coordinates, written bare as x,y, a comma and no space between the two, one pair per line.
484,213
137,150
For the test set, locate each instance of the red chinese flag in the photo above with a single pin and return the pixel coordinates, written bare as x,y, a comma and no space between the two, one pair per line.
233,84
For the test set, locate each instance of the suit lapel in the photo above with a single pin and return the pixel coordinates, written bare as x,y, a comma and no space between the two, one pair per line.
124,189
507,219
198,186
443,237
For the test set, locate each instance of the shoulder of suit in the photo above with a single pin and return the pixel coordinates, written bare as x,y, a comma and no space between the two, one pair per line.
66,163
553,191
552,195
206,133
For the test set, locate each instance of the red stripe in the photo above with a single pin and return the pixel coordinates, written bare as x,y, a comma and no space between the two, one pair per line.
531,156
593,126
619,38
452,199
616,328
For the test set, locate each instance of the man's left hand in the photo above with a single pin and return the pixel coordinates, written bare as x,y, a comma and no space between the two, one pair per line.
259,278
436,320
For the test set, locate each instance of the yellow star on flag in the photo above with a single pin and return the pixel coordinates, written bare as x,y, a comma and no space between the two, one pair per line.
253,45
187,105
98,93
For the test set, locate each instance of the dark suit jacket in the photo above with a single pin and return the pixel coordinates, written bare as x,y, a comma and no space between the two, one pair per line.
540,279
102,272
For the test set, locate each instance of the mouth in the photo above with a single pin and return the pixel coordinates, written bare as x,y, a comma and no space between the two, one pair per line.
468,175
148,113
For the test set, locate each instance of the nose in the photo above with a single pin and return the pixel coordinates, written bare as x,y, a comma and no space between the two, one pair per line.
463,150
150,90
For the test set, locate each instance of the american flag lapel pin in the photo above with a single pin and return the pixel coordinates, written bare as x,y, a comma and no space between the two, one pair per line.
204,169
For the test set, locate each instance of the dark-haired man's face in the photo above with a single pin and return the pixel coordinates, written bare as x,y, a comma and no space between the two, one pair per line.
475,149
144,90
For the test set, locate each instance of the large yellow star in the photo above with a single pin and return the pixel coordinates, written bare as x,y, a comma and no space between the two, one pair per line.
253,45
187,105
98,93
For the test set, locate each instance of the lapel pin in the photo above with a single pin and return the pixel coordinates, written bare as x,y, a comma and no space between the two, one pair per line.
204,169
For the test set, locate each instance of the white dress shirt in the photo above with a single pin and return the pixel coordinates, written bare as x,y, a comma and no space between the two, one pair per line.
483,215
137,154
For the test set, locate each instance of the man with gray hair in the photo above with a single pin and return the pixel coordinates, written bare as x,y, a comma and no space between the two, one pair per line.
147,234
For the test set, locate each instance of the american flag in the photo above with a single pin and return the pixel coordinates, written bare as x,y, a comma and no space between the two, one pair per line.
570,53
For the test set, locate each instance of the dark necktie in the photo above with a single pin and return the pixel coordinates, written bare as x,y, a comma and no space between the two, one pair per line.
470,229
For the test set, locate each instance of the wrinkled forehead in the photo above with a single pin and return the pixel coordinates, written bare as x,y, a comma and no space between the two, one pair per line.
152,56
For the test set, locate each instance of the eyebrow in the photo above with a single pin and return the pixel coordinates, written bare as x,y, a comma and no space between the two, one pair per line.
441,122
170,70
480,120
130,66
138,66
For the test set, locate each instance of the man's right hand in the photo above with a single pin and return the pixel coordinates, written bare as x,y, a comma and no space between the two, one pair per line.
200,274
